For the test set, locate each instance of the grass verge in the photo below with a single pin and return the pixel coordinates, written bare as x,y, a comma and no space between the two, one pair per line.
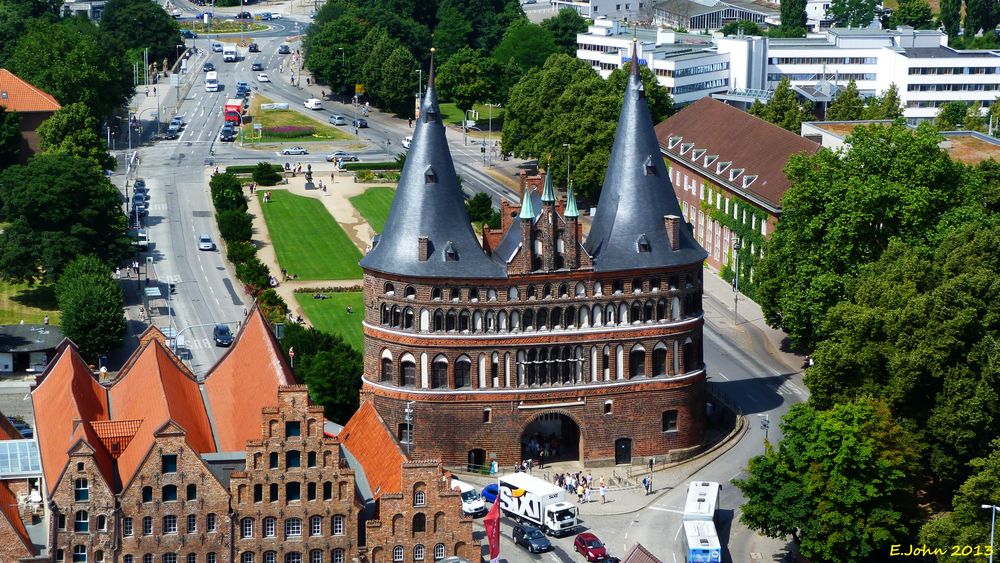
330,315
453,116
20,302
291,118
374,205
307,240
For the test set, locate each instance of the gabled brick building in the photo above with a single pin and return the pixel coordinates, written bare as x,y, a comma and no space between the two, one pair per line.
16,510
537,342
33,105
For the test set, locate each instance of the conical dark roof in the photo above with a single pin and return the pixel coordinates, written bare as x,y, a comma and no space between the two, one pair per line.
636,196
429,203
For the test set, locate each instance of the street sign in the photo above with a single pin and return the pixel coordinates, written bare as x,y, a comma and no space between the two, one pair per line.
175,80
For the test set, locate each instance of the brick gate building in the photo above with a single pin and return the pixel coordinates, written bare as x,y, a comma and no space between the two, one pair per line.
589,349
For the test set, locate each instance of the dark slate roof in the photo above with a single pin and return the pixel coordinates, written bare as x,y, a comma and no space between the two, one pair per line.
29,338
435,210
636,196
511,240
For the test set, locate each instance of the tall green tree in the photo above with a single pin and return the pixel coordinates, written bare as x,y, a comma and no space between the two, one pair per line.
10,137
73,130
91,302
854,13
951,16
840,481
841,211
451,31
784,108
396,90
914,13
979,16
329,366
564,27
373,51
952,114
745,27
330,49
138,24
848,105
793,18
59,207
526,44
885,106
468,77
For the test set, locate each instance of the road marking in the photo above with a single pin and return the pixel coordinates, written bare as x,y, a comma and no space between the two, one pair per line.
734,477
723,376
665,509
678,534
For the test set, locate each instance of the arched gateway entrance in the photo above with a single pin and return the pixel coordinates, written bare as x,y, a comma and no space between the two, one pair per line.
555,434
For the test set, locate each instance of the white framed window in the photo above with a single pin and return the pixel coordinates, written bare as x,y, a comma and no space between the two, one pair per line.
210,558
147,526
247,557
316,556
192,523
338,555
419,498
126,526
439,552
79,554
338,525
169,558
99,557
192,558
81,490
210,523
102,523
170,524
60,556
246,531
128,559
315,526
293,557
147,558
270,557
293,528
418,552
81,522
270,527
397,554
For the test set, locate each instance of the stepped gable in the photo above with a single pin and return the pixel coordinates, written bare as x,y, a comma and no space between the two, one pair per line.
67,395
156,388
8,512
429,203
637,196
368,439
245,381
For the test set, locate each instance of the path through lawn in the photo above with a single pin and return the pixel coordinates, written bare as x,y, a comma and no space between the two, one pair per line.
307,240
330,315
373,205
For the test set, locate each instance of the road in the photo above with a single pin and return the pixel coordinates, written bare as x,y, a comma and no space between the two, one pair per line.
178,172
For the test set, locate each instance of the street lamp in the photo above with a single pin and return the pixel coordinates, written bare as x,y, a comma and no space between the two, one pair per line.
993,520
736,279
765,424
465,125
177,51
489,135
569,152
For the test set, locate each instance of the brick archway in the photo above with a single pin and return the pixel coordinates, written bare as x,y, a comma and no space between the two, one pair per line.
538,432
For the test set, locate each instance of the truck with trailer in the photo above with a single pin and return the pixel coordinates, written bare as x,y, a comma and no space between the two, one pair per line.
232,112
530,499
229,54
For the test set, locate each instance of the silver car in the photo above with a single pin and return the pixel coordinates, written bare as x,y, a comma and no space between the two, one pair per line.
205,243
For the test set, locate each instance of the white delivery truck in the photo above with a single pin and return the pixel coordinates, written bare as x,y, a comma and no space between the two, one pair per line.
211,81
472,502
527,498
229,53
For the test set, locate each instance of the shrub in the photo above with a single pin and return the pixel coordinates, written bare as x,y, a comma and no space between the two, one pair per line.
235,225
253,272
265,174
249,168
240,251
290,131
373,166
364,176
272,305
227,192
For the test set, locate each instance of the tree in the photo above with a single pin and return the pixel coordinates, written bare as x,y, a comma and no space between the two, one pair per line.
839,214
331,47
235,225
742,27
140,24
467,77
973,120
227,192
73,130
951,16
914,13
854,13
526,44
979,17
848,105
784,108
793,19
10,137
564,27
840,481
451,30
396,91
329,366
886,106
480,207
91,301
372,53
951,115
265,174
59,207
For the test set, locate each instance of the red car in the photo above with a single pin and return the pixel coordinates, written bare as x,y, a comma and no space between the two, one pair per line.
590,547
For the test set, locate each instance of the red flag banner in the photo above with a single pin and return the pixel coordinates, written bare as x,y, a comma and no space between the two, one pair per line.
492,524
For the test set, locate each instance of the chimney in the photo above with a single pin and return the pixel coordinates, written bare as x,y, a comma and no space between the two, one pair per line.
673,223
423,248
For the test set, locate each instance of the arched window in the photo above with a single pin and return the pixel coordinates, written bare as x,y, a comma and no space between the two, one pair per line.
563,290
147,494
529,293
409,373
247,557
491,294
617,286
474,294
293,527
598,288
418,552
463,320
636,285
81,522
81,490
386,369
451,320
315,525
547,291
439,552
270,527
660,359
436,294
455,294
389,289
80,554
513,294
338,525
169,493
438,320
397,554
316,556
192,492
408,318
338,556
410,292
542,319
637,362
463,370
419,523
439,373
246,528
293,557
635,312
654,284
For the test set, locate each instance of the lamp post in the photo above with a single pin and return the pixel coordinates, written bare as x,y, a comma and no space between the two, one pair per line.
420,92
993,521
177,51
765,424
569,152
489,135
736,279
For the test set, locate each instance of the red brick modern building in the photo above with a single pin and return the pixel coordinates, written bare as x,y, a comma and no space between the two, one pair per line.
543,343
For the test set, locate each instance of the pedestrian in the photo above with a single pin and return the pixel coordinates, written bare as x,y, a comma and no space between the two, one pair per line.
645,485
309,168
410,123
118,273
307,81
245,312
603,490
579,493
586,494
154,90
541,458
45,320
142,314
147,91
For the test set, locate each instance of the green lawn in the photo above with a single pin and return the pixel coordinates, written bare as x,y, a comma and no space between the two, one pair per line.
373,205
453,116
308,241
19,302
288,117
330,315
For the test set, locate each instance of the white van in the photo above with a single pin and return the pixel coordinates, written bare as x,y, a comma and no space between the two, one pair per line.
472,502
314,103
407,141
211,81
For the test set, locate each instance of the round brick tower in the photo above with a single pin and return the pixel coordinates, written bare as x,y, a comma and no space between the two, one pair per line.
543,342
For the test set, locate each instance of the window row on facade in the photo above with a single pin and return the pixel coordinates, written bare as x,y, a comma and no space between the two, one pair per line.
955,70
822,61
271,492
291,528
169,524
313,556
420,553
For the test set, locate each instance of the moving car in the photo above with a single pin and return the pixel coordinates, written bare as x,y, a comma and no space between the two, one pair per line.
336,119
140,201
472,501
531,539
294,150
257,66
262,77
202,15
188,34
176,14
216,47
243,16
172,132
342,155
360,123
139,186
491,492
284,49
589,546
242,84
178,121
222,335
407,141
264,16
205,243
228,133
314,103
253,48
208,67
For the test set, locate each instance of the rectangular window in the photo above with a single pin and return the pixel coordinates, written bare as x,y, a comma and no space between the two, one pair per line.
192,523
147,526
258,493
338,525
293,459
81,490
126,526
270,527
311,459
169,463
170,524
327,490
293,491
273,492
293,528
316,526
273,460
670,421
311,491
293,429
210,523
61,522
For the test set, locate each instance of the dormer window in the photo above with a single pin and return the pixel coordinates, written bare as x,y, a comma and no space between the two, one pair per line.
642,90
697,154
723,166
430,176
642,244
686,147
650,166
747,180
450,254
734,173
430,116
710,159
673,141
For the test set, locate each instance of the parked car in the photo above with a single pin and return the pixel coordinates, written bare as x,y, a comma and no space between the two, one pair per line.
407,141
188,34
313,103
360,123
336,119
590,547
262,77
257,66
205,243
294,150
178,121
253,48
243,16
284,49
491,492
140,201
22,427
208,67
342,155
222,335
140,187
531,539
172,132
264,16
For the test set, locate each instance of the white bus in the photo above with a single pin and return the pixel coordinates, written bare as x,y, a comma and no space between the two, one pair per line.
702,501
211,81
701,543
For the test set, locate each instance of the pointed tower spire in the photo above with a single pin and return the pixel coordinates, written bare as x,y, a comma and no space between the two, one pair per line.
548,192
571,210
637,195
428,232
527,210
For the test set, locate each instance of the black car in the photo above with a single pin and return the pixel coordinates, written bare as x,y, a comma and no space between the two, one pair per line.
228,133
244,16
257,66
188,34
360,123
222,335
531,539
171,133
254,48
284,50
207,67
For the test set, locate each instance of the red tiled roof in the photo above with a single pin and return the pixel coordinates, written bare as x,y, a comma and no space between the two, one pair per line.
20,97
8,508
760,148
244,381
367,438
7,430
67,392
85,437
154,389
115,435
639,554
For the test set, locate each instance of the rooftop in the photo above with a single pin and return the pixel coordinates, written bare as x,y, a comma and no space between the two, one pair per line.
29,338
21,97
368,439
947,52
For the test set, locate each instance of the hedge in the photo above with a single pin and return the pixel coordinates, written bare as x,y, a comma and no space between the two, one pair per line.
249,168
372,166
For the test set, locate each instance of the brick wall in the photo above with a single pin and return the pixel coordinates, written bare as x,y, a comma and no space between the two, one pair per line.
96,506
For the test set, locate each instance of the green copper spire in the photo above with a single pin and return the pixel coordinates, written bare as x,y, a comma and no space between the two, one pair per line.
527,211
548,193
571,210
